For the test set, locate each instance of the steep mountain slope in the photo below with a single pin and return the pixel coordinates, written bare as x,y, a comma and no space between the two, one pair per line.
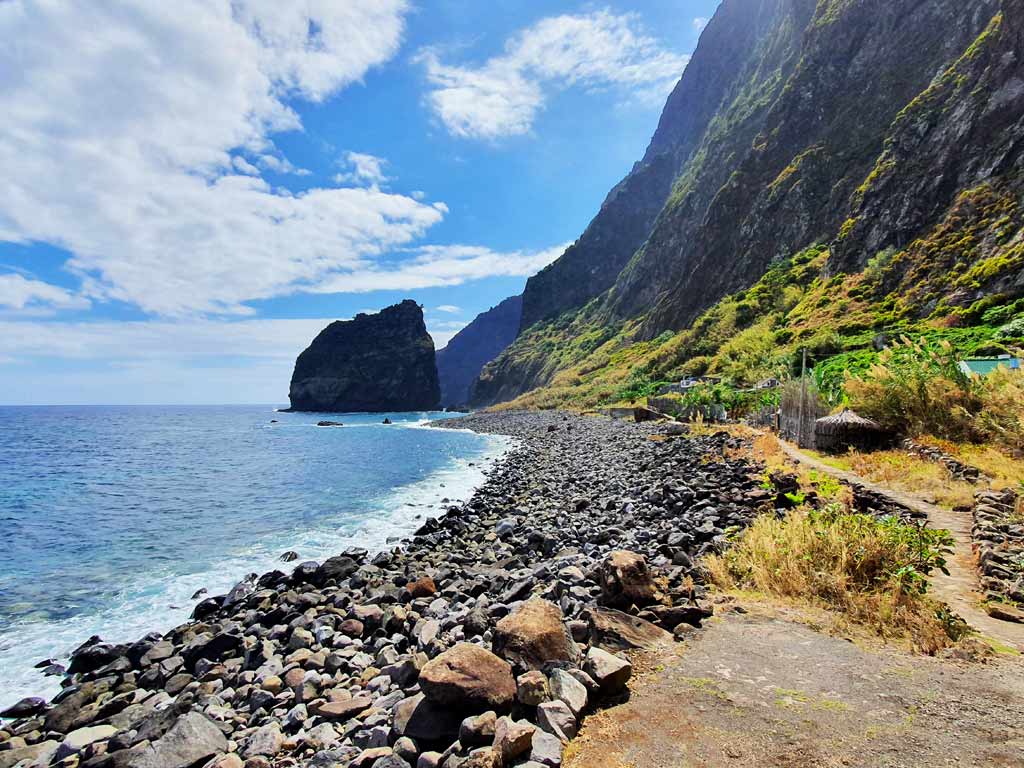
381,362
896,138
744,56
459,363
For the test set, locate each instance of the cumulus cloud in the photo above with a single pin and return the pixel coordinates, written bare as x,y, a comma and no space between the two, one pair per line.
449,308
20,293
363,169
434,266
699,23
139,147
502,96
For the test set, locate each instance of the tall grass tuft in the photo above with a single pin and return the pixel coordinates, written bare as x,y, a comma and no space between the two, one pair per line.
872,571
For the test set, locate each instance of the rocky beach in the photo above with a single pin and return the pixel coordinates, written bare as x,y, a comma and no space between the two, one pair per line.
484,640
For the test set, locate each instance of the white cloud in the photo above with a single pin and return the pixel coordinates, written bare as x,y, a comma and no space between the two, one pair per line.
135,148
20,293
699,23
363,169
502,96
449,308
442,265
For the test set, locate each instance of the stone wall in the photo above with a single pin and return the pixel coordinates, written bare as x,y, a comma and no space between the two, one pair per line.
998,534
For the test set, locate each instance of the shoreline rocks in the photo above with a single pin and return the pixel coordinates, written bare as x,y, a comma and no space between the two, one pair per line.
484,639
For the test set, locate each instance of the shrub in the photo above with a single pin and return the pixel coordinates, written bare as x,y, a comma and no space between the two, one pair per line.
1012,330
874,571
1001,417
916,388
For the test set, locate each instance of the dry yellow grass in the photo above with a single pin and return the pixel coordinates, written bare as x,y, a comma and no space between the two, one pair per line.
1005,470
902,472
871,572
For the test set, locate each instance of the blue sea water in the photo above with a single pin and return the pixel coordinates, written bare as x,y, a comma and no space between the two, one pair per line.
112,517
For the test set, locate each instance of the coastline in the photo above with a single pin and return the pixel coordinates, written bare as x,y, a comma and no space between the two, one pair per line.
327,660
141,607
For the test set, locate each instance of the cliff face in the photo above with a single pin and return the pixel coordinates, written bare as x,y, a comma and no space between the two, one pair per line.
382,362
871,125
861,63
459,363
743,53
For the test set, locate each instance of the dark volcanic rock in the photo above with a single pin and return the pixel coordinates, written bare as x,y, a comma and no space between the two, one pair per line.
460,362
382,362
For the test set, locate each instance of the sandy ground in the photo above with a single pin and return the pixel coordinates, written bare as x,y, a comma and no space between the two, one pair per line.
761,689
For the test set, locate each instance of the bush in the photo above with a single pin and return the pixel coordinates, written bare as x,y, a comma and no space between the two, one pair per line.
916,388
1001,417
874,571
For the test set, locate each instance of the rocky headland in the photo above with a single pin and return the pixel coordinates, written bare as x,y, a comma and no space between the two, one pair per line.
372,363
483,640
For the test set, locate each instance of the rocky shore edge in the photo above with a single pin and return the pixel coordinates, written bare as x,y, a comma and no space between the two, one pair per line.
483,640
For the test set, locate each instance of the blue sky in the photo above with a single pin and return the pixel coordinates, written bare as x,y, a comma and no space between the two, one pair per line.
192,190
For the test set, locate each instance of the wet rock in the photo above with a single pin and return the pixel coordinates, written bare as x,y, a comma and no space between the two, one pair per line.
27,707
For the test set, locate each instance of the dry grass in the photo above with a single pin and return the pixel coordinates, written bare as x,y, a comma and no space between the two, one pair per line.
902,472
873,572
1006,471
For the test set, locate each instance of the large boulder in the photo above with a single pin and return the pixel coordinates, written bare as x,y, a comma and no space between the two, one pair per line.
191,739
533,635
609,671
627,581
425,721
469,678
618,631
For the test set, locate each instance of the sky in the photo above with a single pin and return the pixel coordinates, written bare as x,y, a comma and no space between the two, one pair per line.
191,191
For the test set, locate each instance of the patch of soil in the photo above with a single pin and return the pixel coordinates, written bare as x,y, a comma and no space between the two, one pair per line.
760,689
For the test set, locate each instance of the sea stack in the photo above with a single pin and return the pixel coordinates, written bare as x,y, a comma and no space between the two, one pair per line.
373,363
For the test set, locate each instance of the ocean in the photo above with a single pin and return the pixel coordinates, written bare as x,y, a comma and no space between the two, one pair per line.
111,518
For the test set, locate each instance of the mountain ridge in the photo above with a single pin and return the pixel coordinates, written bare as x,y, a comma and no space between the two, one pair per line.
866,127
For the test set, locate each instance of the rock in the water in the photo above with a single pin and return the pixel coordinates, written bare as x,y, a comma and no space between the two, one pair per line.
469,677
382,362
27,707
534,635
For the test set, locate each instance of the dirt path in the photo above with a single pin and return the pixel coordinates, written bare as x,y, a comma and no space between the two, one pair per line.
762,690
960,589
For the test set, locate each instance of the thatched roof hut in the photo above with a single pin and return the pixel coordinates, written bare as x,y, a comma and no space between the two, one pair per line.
848,430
